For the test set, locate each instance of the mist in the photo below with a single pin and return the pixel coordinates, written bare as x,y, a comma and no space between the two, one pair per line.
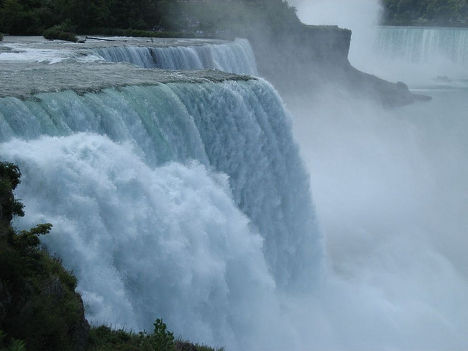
215,231
389,188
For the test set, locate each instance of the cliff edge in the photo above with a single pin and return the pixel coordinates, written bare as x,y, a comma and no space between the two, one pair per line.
304,59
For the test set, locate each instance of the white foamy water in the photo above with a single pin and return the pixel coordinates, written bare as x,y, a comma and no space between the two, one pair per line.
161,209
144,242
21,53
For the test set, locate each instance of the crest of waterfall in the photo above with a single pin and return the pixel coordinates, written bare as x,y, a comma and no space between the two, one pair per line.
423,45
234,57
186,201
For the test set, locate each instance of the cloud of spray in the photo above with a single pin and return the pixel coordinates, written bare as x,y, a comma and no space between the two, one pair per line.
389,191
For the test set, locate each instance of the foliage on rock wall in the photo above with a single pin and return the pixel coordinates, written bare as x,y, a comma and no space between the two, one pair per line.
426,12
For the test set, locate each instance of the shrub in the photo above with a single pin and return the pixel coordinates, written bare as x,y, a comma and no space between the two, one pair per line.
57,32
12,345
40,309
162,339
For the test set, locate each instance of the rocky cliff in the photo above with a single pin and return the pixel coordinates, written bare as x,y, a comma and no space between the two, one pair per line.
304,59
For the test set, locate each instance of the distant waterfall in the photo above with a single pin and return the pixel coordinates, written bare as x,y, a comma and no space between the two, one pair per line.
186,201
233,57
424,45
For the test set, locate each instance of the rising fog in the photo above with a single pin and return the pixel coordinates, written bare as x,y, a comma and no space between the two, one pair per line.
390,192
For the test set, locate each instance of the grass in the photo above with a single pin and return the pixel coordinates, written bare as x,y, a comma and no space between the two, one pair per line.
104,338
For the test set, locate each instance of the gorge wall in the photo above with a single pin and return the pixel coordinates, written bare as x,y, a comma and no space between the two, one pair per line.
302,60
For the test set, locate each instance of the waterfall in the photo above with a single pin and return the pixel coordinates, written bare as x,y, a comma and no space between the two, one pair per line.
233,57
422,45
422,57
186,201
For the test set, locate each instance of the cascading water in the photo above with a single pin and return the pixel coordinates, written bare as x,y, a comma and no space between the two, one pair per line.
423,45
418,56
234,57
186,201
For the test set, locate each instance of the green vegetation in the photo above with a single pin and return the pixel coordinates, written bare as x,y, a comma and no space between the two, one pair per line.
105,339
168,17
62,32
161,339
38,303
229,17
12,344
39,308
55,33
141,33
426,12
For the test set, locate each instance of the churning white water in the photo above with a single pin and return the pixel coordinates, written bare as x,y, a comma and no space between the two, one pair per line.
145,241
186,201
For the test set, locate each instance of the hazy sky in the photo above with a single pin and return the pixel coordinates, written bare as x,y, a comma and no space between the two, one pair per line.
347,13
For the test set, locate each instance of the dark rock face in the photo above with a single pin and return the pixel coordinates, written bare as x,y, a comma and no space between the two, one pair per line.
302,60
386,93
301,48
79,331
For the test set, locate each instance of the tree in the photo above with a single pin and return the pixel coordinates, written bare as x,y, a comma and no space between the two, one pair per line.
162,339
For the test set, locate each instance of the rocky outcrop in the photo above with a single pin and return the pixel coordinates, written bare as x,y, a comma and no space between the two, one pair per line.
303,59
